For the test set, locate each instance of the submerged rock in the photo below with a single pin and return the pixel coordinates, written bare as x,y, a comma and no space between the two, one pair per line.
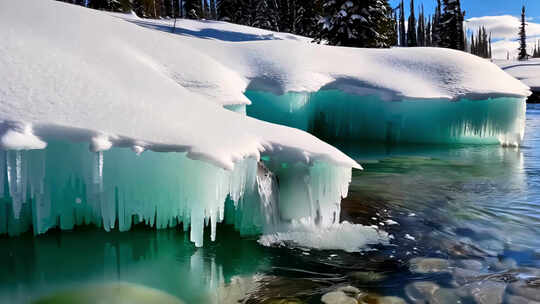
513,299
488,292
444,296
470,264
428,265
420,292
529,289
116,293
367,276
337,297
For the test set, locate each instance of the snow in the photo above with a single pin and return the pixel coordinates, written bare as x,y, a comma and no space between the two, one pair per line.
527,71
102,77
102,98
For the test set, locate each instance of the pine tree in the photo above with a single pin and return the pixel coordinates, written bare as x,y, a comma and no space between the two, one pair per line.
213,9
359,23
420,33
193,9
266,15
411,28
452,35
523,37
436,26
429,41
307,14
402,32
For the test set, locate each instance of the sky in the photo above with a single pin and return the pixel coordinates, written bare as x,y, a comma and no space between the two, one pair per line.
479,8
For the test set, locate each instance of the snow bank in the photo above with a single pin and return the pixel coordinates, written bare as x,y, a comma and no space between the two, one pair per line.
88,100
526,71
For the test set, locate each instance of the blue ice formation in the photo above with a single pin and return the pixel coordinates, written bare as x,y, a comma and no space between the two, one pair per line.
66,185
335,116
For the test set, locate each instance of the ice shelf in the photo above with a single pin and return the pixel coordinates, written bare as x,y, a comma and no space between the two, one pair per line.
334,116
66,185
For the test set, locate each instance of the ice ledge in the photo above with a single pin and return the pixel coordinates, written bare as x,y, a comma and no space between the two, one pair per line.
66,185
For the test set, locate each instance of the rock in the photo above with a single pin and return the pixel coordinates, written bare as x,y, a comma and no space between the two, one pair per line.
529,289
502,265
444,296
488,292
367,276
512,299
349,290
391,300
116,293
377,299
428,265
284,301
420,292
465,276
337,297
469,264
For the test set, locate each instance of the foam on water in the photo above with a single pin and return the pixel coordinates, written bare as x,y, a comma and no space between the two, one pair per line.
343,236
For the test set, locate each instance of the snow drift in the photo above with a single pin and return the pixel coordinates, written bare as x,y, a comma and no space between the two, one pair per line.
111,87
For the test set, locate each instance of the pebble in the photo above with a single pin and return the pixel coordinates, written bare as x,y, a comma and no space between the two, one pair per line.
469,264
444,296
337,297
420,292
529,289
429,265
488,292
367,276
512,299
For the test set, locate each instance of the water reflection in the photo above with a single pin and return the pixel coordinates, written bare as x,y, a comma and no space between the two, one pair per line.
164,259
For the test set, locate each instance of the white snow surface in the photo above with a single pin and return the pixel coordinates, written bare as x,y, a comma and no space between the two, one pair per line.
68,72
527,71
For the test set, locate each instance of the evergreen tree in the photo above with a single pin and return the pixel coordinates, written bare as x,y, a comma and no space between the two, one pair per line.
411,28
193,9
420,33
402,31
429,41
213,9
452,25
523,37
436,26
266,16
359,23
307,14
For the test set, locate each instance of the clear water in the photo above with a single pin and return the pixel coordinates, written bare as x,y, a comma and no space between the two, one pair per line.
477,203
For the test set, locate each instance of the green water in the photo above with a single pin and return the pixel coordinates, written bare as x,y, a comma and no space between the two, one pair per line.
459,203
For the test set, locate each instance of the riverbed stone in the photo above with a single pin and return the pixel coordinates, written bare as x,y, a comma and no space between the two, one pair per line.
337,297
420,292
429,265
513,299
470,264
488,292
464,276
444,296
529,289
391,300
501,265
367,276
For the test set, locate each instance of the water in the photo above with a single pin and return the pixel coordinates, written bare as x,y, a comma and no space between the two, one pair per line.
477,208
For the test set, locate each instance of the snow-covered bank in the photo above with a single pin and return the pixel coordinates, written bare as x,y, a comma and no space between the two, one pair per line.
527,72
74,99
351,93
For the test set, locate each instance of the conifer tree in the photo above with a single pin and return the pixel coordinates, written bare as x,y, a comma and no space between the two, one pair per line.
411,28
402,31
428,33
420,32
452,35
359,23
436,25
523,37
193,9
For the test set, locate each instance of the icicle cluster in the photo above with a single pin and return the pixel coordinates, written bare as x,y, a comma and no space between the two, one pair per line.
66,185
